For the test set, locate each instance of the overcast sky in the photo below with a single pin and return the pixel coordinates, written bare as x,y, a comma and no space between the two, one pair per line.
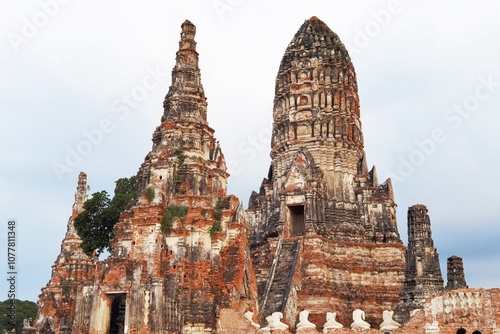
429,85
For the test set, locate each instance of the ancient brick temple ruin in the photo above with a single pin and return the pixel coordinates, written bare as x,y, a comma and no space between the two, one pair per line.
321,213
320,235
180,253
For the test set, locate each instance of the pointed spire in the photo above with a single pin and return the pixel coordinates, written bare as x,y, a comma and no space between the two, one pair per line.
80,195
422,271
374,177
184,130
80,198
187,41
363,165
72,241
185,99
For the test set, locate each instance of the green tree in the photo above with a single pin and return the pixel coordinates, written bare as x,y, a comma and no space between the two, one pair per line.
100,214
21,309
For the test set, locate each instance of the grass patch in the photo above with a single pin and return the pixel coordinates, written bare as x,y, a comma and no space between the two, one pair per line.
175,211
178,178
217,216
150,194
215,228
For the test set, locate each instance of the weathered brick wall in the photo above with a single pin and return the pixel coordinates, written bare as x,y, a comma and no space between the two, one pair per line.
341,277
472,309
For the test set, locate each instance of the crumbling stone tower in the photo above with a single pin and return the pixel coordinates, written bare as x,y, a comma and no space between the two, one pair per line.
324,233
422,273
180,253
455,273
72,269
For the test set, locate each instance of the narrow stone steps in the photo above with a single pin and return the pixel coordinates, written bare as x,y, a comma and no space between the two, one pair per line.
279,287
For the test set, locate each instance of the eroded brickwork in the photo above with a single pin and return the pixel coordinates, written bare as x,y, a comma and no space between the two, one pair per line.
180,252
455,273
468,308
422,273
443,313
320,192
322,229
71,270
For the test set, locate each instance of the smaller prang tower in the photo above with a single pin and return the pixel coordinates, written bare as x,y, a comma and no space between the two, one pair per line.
455,273
422,273
71,269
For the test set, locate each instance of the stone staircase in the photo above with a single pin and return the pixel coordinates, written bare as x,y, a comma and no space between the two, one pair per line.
280,277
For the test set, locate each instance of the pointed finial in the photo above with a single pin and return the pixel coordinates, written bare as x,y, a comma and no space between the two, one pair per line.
187,36
80,195
80,198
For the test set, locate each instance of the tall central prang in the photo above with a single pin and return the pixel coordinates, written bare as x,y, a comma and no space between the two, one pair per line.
320,214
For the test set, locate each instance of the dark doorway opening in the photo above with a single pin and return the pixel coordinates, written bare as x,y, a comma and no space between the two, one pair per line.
117,318
297,220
